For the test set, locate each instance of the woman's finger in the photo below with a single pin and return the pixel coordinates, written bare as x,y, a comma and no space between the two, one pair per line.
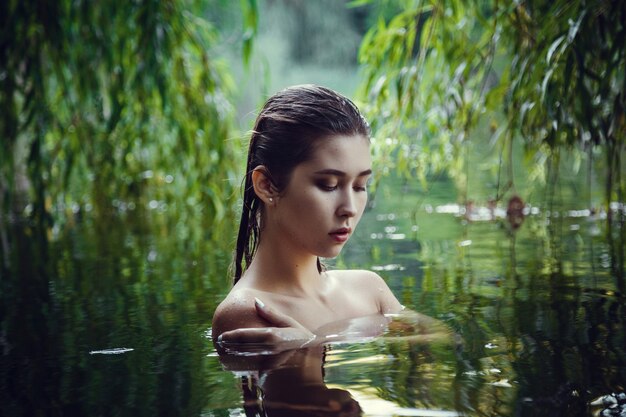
276,318
261,335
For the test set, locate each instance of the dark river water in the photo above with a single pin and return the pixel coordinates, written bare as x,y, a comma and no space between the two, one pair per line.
112,318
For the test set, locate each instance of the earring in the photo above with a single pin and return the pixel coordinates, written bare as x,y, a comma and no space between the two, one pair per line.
271,200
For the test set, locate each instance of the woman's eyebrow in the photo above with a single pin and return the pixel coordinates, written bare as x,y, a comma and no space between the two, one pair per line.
338,173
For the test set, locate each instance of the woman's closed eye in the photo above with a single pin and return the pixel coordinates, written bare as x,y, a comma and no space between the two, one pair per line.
325,186
334,186
362,184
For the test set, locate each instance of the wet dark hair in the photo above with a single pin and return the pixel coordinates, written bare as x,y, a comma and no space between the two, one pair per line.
284,135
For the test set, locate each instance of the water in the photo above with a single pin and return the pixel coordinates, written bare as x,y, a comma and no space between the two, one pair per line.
116,321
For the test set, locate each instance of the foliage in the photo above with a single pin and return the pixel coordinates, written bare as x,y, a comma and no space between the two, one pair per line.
553,71
110,106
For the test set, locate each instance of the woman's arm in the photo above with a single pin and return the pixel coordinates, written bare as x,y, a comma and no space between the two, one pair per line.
285,333
404,323
414,327
266,330
244,324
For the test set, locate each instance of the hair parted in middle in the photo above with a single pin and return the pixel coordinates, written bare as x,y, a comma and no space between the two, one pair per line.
284,136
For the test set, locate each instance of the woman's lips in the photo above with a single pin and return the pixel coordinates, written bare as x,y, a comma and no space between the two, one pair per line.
341,235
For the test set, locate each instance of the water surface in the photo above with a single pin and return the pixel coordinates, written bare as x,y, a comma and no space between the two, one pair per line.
111,318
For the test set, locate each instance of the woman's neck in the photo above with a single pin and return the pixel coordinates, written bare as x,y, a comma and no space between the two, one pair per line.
278,268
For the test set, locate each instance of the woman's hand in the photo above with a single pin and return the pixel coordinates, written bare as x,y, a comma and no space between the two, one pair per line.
414,327
284,333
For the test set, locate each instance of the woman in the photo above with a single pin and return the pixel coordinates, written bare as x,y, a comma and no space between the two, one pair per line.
305,191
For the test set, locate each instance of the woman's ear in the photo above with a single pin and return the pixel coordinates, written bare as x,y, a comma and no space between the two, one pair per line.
263,186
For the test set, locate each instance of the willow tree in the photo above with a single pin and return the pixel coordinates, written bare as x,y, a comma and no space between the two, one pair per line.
109,105
554,70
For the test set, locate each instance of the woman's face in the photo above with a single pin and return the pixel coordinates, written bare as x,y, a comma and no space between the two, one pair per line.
325,197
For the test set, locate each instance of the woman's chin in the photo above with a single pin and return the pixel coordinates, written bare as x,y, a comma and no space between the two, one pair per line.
331,254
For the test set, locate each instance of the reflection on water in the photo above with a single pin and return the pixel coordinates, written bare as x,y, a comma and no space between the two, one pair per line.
110,318
308,381
290,383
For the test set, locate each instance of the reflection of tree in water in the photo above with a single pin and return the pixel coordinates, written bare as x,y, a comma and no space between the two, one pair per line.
413,377
28,338
565,347
543,345
572,350
96,290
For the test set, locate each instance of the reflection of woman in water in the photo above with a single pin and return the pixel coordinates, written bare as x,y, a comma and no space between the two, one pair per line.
290,383
305,191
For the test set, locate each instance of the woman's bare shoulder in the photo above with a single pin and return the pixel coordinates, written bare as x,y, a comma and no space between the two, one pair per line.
358,276
371,284
237,310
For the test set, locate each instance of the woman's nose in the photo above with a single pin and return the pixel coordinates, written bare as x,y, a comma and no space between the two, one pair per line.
347,206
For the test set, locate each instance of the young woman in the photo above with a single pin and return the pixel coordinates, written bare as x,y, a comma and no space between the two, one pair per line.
305,191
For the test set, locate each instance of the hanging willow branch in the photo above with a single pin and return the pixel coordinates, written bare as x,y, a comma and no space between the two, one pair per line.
113,101
555,70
